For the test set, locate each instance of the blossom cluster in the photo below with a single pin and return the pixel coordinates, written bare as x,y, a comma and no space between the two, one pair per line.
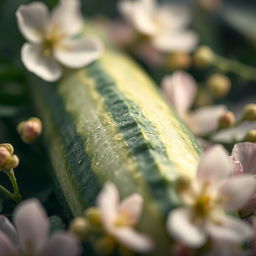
216,209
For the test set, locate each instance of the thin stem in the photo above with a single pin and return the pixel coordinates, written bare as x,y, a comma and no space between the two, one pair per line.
235,67
12,178
7,192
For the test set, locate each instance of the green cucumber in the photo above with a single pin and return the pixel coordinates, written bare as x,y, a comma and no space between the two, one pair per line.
108,122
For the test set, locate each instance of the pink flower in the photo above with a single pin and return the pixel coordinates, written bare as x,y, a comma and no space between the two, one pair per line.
207,200
119,218
244,160
180,90
31,236
165,24
52,39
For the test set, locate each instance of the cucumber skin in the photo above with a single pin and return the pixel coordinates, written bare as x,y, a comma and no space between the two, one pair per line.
90,143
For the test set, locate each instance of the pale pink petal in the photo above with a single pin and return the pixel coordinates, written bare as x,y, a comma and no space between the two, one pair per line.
245,153
249,208
229,229
8,229
141,20
180,90
32,225
132,206
108,203
237,167
133,240
78,52
205,119
44,66
61,244
173,41
215,165
32,20
119,32
180,225
173,17
67,16
6,247
237,191
149,54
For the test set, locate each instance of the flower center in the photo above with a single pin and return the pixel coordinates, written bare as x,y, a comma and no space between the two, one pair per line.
123,220
51,39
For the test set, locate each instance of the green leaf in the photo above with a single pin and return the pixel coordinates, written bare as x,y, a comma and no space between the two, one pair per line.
241,19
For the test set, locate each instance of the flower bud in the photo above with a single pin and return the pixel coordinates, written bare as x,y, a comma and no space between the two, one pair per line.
218,85
93,215
7,159
79,227
203,57
178,60
250,112
226,120
30,129
250,136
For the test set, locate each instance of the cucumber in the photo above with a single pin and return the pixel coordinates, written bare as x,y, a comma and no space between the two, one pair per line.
108,122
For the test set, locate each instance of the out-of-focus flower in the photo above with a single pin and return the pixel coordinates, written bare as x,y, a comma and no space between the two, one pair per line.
7,159
119,218
52,39
207,200
180,90
31,236
178,60
163,24
30,129
244,160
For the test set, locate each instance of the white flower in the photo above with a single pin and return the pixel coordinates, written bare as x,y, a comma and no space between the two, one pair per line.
119,218
31,236
180,90
52,40
207,200
164,24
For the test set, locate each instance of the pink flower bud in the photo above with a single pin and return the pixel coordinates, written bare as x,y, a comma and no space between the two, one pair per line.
30,129
7,159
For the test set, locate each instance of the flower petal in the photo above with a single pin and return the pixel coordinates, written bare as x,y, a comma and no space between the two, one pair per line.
205,119
180,226
237,166
229,229
61,244
6,247
32,225
237,191
78,52
44,66
183,41
141,20
245,153
67,16
215,165
132,206
32,20
134,240
108,202
8,229
180,90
